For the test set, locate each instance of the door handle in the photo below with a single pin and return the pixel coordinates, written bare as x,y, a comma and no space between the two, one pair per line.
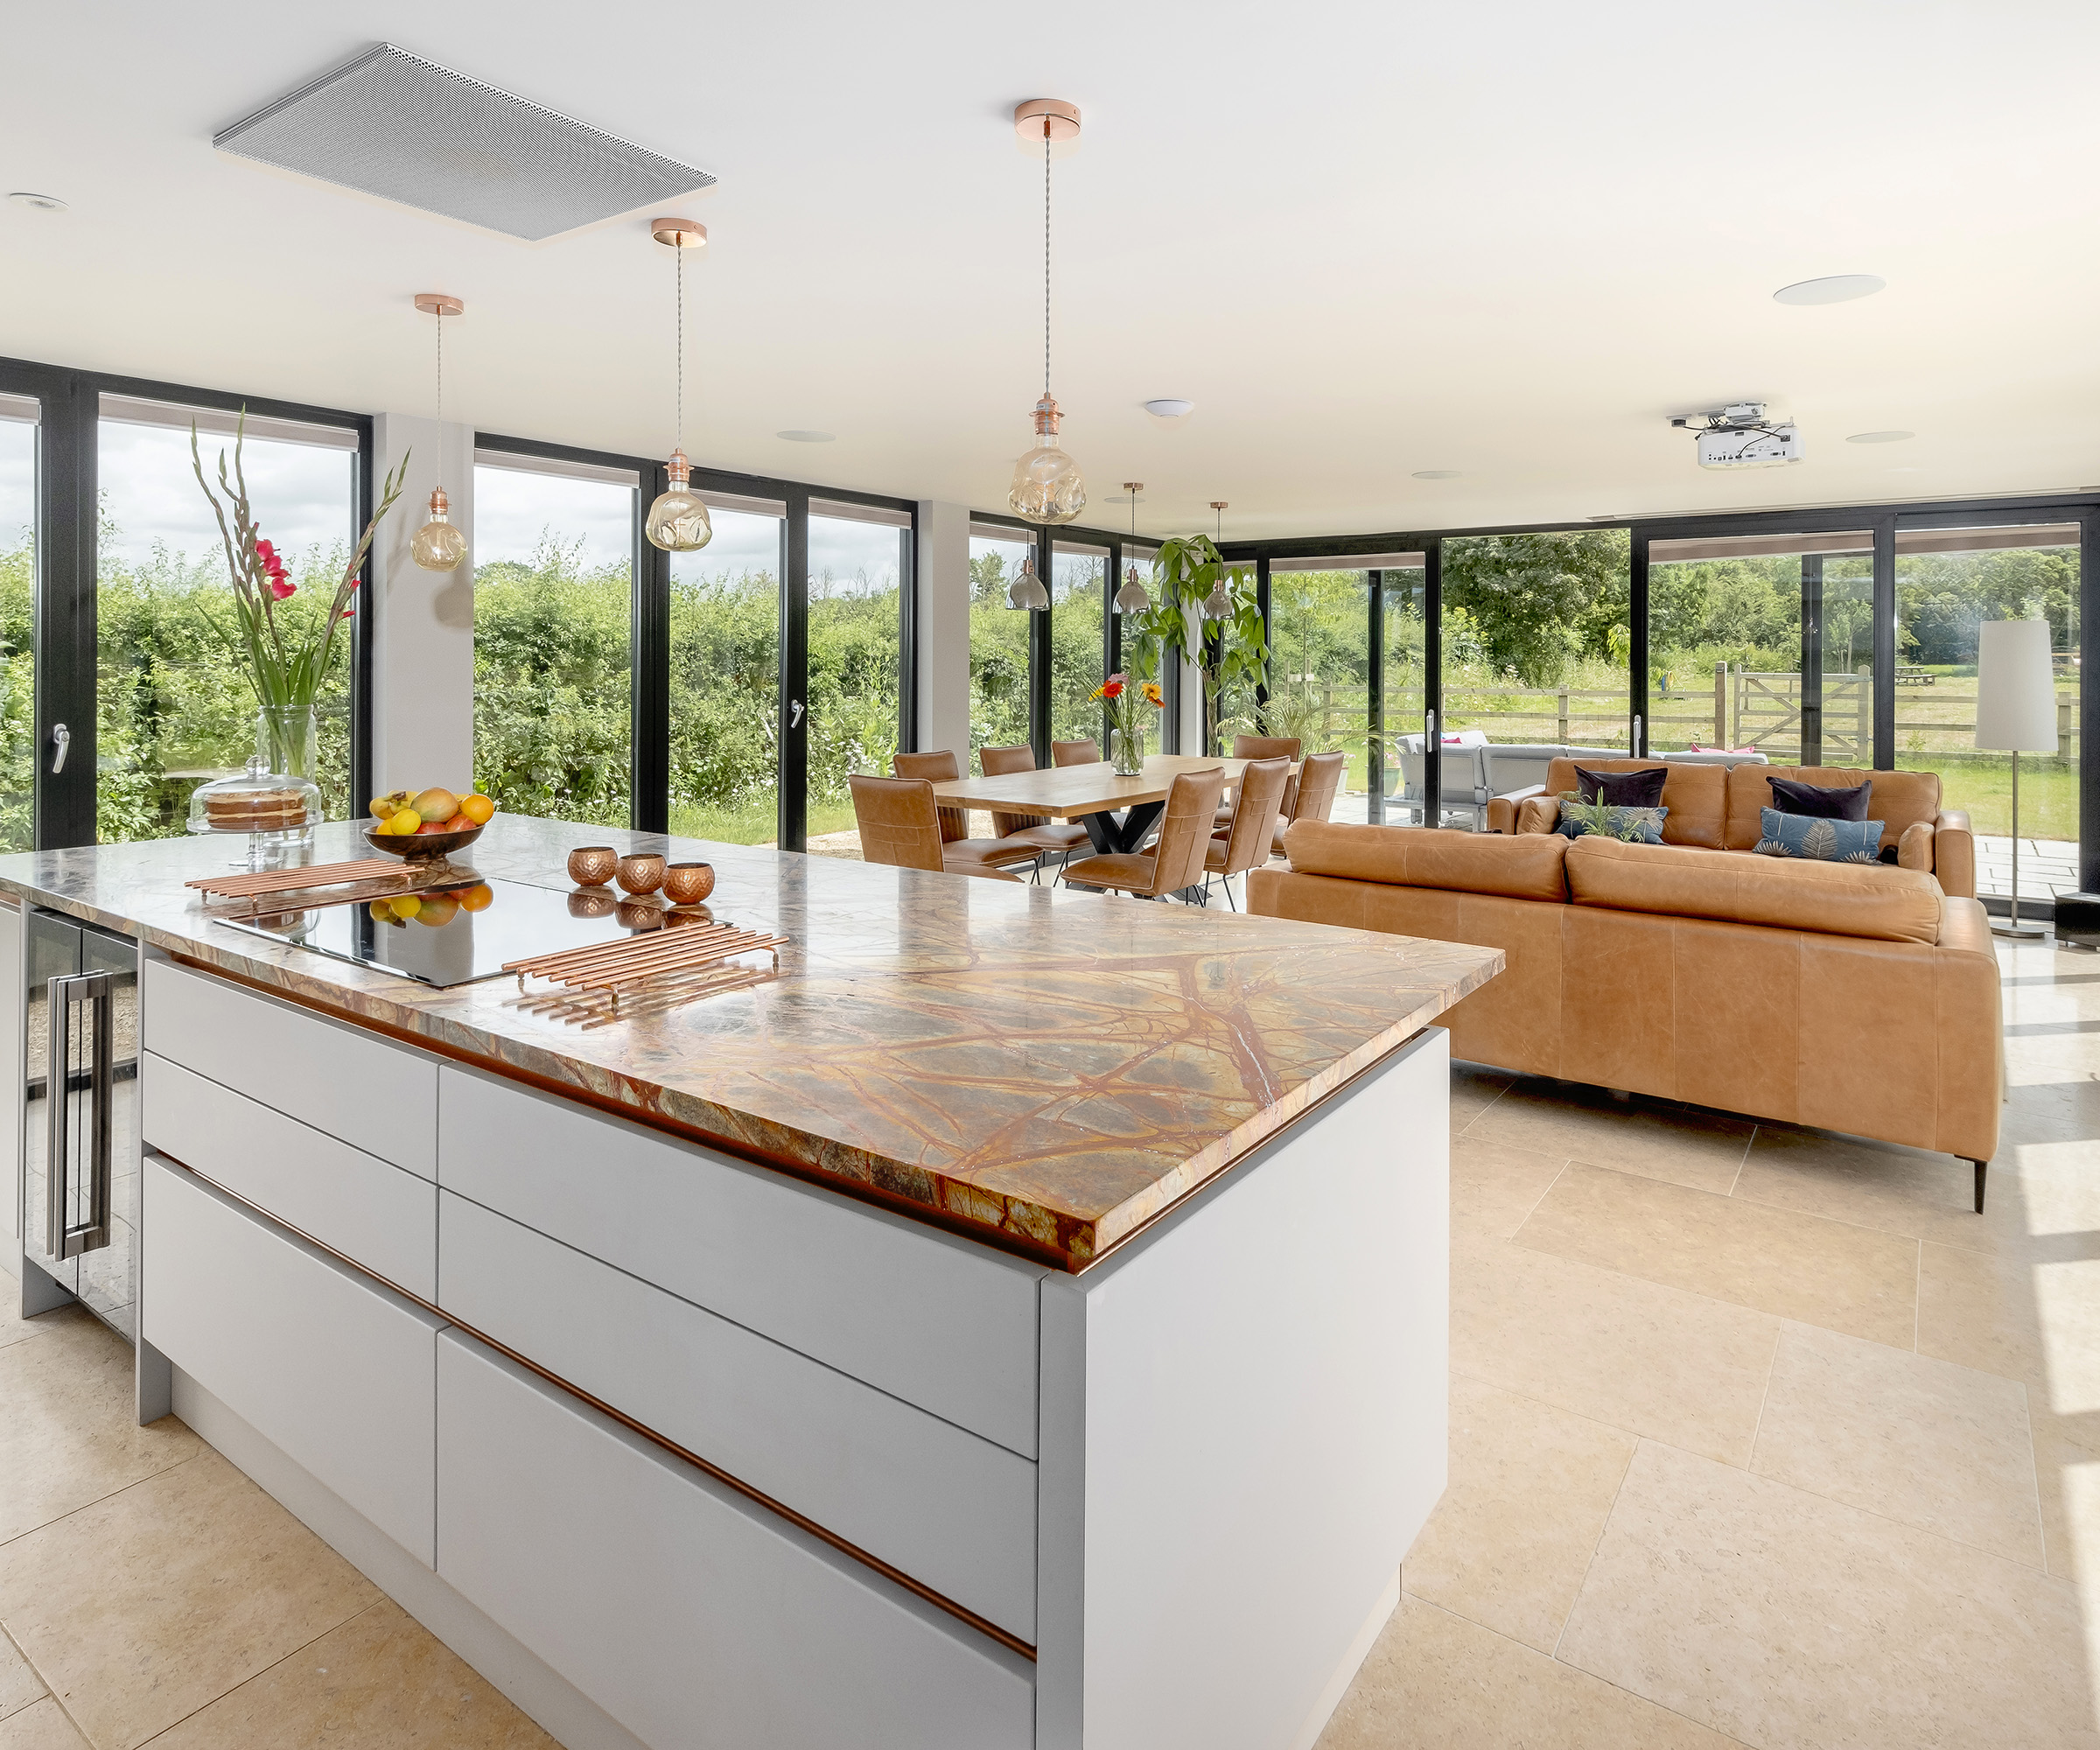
66,993
795,722
61,739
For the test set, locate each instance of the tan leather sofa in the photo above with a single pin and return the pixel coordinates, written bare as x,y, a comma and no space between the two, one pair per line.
1717,808
1861,998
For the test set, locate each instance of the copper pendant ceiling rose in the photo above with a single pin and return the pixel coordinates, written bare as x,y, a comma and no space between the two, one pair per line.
1047,485
678,522
440,544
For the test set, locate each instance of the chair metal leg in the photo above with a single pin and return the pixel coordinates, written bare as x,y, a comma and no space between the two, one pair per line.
1229,900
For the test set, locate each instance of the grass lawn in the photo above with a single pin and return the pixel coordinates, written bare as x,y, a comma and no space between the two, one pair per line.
2048,794
755,823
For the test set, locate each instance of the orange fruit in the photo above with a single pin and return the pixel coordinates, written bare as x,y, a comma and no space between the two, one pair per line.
477,809
478,899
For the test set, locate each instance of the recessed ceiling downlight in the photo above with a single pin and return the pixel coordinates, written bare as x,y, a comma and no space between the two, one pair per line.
1436,473
1880,436
806,437
1170,407
1834,288
43,203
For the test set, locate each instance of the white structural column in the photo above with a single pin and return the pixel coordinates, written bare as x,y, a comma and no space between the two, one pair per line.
423,659
943,610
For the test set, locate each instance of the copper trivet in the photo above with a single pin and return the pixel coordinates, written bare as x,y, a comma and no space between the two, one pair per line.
677,965
288,880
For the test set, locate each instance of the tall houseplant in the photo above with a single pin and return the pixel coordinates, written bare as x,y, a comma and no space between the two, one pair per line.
1229,652
284,659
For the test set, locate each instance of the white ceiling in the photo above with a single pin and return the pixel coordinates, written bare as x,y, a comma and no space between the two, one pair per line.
1365,239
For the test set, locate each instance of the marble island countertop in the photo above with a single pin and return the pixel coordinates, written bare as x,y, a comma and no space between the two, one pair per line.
1047,1070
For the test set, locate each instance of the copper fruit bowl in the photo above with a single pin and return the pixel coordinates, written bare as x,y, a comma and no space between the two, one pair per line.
421,847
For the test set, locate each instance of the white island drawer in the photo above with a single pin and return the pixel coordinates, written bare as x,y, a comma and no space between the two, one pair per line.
939,1321
375,1214
323,1362
952,1510
376,1095
692,1617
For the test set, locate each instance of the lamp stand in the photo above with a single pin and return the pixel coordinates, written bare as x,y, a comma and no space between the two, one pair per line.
2013,927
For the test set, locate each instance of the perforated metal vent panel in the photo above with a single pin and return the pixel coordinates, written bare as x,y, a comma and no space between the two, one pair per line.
393,125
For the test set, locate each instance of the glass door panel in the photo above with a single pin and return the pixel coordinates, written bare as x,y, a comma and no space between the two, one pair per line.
1763,642
1078,601
1319,672
18,648
1397,736
725,678
172,709
1948,581
553,627
1536,640
999,640
857,567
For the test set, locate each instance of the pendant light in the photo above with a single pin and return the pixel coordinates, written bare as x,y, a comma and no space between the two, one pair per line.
678,520
1047,486
1133,598
440,544
1218,604
1028,590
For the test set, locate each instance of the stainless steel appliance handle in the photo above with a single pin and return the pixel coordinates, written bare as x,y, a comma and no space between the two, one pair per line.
61,739
66,1239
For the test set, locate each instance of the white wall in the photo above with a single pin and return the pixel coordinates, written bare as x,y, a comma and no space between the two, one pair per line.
423,658
943,609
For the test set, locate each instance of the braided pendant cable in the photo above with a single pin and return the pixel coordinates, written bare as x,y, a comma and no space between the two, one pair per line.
680,421
1045,257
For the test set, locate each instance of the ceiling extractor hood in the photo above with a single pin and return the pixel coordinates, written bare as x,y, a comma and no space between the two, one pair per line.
391,124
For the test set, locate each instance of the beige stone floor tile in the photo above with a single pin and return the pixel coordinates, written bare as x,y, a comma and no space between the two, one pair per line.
1911,1192
2034,1319
1618,1350
2067,1472
1436,1682
2041,1107
69,1432
142,1607
1651,1138
1475,1087
1938,1446
14,1328
1785,1619
380,1682
1804,1267
19,1684
41,1727
1530,1487
1493,1186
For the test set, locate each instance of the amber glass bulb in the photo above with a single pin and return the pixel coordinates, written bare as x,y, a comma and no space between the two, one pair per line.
1047,485
678,522
439,545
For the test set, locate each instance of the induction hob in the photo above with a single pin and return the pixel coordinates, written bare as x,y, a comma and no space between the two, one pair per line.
445,943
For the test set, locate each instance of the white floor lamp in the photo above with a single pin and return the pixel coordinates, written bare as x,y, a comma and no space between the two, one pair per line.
2015,714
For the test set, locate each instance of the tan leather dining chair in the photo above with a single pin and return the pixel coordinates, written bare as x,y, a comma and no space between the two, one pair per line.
1319,778
899,827
1176,860
1056,839
1261,748
958,847
1253,829
1074,753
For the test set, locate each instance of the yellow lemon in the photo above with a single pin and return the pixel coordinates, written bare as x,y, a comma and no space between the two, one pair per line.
406,905
407,820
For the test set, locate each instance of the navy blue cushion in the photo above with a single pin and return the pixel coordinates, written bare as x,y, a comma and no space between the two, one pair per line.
1640,789
1818,837
1791,796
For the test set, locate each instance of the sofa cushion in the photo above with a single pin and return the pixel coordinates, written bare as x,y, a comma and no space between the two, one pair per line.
1697,796
1639,788
1899,799
1820,838
1875,900
1524,867
1635,824
1819,801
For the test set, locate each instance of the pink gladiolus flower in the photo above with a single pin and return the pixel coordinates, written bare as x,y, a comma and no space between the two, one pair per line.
280,589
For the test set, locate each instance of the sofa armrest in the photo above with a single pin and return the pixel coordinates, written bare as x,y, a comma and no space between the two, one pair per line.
1954,854
1538,813
1503,811
1913,850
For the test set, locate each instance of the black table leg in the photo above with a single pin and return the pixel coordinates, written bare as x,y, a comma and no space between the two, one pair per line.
1136,822
1101,830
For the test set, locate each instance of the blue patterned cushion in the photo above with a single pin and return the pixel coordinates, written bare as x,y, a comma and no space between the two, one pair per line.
1608,819
1822,840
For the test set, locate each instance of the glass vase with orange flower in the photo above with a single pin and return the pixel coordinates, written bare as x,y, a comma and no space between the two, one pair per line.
1129,706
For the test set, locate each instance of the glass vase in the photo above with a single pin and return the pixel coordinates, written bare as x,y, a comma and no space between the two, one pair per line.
275,801
1126,752
288,740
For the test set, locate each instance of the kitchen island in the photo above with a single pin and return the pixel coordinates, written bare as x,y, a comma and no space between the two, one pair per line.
1020,1319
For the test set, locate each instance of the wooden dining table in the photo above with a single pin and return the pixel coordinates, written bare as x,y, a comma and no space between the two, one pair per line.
1091,795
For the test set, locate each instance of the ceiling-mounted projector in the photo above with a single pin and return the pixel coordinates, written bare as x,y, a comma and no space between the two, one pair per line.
1740,436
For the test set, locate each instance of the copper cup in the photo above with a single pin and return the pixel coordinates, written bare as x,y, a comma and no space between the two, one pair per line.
686,883
592,903
641,872
689,915
642,914
591,865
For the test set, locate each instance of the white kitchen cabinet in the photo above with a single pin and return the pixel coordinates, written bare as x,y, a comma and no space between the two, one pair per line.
374,1213
940,1322
322,1361
698,1620
346,1081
